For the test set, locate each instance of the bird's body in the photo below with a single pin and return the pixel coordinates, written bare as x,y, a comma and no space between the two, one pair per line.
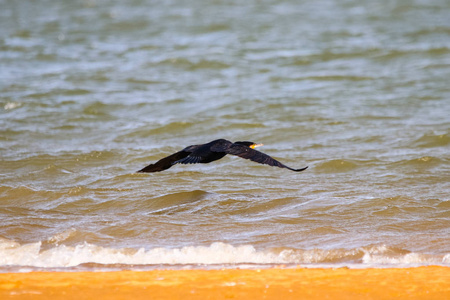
212,151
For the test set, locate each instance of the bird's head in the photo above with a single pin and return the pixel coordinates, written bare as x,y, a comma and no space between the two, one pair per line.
249,144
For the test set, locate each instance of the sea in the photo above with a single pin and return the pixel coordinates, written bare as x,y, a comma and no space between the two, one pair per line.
91,91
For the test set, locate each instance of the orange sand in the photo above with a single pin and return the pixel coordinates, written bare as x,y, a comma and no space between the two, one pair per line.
276,283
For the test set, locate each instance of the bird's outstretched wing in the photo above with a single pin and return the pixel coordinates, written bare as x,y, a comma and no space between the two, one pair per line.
256,156
165,163
190,159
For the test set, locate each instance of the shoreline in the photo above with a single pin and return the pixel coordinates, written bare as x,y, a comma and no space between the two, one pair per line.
428,282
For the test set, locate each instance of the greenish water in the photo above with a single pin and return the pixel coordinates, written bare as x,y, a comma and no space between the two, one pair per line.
92,91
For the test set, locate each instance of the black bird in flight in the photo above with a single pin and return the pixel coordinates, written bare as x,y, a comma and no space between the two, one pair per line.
212,151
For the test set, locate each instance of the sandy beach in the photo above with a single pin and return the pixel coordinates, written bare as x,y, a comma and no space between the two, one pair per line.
432,282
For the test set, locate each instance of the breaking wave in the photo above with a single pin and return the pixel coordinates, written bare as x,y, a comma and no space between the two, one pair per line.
13,254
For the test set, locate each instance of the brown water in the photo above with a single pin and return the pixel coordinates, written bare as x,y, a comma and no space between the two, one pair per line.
92,91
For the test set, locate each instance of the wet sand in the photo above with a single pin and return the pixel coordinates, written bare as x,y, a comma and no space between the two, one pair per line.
431,282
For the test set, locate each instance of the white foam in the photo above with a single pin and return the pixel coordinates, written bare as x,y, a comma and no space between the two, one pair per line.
32,255
406,259
66,256
383,255
12,105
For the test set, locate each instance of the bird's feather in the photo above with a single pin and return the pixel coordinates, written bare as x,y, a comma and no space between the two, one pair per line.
257,156
165,163
190,159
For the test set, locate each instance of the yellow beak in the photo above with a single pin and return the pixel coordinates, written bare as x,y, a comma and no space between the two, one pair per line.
255,145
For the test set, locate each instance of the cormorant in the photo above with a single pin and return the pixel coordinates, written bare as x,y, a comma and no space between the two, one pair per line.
212,151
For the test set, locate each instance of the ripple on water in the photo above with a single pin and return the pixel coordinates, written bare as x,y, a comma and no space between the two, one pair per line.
431,140
337,165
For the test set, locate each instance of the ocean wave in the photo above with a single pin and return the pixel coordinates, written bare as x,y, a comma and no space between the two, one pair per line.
423,162
193,65
431,140
13,254
337,165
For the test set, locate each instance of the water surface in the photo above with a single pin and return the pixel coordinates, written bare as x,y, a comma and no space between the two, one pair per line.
92,91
